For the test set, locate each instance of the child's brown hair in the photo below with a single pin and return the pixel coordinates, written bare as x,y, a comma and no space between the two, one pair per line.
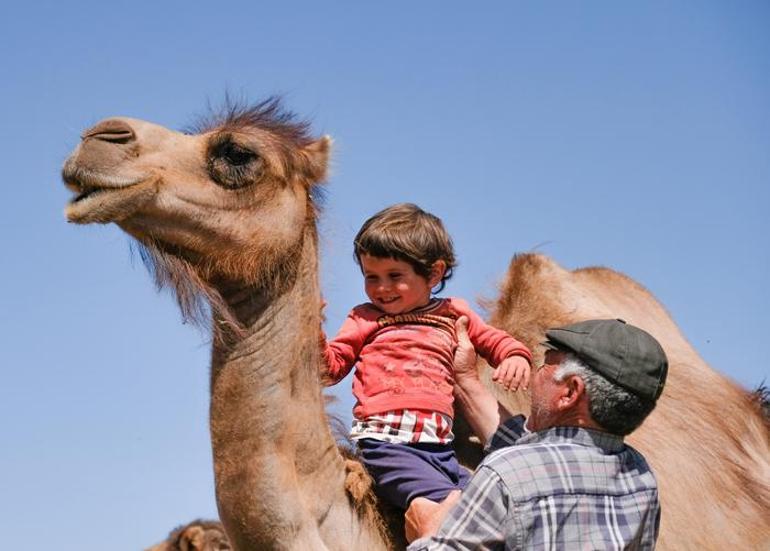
406,232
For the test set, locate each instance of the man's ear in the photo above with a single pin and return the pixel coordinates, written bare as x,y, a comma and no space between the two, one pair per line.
317,154
572,392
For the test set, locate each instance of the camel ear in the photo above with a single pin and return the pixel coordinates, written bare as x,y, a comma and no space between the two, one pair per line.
318,154
193,538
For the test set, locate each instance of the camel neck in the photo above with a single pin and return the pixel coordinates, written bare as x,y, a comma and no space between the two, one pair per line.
276,347
271,361
268,428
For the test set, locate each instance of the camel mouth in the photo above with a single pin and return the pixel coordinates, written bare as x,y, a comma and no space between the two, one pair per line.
103,199
89,192
83,180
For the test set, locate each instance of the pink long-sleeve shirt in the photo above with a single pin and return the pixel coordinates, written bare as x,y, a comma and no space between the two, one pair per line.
405,361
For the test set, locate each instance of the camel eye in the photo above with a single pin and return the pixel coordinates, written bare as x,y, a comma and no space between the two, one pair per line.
231,165
236,155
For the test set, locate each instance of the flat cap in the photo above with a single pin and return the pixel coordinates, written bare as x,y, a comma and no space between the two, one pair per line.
626,355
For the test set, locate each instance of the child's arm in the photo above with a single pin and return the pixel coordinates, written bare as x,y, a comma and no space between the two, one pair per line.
510,358
341,352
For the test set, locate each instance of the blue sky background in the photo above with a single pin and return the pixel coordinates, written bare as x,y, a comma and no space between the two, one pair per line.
630,135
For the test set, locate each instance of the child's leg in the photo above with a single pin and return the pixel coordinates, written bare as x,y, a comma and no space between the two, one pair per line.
424,517
403,472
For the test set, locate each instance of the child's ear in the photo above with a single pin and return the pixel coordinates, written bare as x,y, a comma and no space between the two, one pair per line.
437,272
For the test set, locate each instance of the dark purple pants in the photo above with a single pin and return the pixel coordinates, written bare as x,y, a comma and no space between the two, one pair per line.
402,472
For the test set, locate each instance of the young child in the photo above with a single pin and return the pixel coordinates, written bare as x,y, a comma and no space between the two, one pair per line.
402,345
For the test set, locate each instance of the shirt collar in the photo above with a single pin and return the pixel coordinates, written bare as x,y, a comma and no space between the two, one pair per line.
433,304
575,435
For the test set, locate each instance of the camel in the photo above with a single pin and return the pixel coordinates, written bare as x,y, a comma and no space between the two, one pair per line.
227,217
198,535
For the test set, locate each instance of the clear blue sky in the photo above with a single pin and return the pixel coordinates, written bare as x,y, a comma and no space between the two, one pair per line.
631,135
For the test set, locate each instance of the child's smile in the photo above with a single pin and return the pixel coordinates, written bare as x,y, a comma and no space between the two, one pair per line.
393,285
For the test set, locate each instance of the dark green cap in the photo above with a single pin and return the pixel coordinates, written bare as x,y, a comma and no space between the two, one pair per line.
624,354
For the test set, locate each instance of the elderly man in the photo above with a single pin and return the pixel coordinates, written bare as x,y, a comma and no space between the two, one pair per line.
563,478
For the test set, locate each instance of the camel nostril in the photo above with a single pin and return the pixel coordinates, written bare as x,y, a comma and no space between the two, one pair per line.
111,130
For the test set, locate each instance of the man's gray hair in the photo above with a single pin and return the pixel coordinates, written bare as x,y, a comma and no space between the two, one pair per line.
611,406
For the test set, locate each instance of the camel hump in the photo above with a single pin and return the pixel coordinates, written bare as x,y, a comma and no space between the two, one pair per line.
537,294
524,266
528,274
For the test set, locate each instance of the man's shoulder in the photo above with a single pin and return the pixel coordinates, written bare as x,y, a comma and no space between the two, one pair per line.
638,460
518,462
522,470
536,469
518,455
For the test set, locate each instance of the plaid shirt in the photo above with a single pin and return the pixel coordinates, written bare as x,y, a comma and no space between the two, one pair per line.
562,488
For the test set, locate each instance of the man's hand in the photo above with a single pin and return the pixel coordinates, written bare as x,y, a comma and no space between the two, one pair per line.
424,517
465,353
512,372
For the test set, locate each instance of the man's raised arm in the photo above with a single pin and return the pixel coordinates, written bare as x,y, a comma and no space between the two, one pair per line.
479,405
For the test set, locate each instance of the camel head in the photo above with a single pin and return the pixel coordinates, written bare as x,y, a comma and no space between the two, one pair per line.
230,201
198,535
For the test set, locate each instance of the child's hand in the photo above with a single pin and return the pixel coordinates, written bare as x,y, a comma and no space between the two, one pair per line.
323,310
512,372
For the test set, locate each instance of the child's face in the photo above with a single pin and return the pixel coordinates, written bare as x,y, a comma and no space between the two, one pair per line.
393,285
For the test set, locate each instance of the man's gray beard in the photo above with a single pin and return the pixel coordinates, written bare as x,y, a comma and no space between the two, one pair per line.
539,411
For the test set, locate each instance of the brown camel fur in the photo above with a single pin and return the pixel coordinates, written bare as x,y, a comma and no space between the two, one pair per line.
228,215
